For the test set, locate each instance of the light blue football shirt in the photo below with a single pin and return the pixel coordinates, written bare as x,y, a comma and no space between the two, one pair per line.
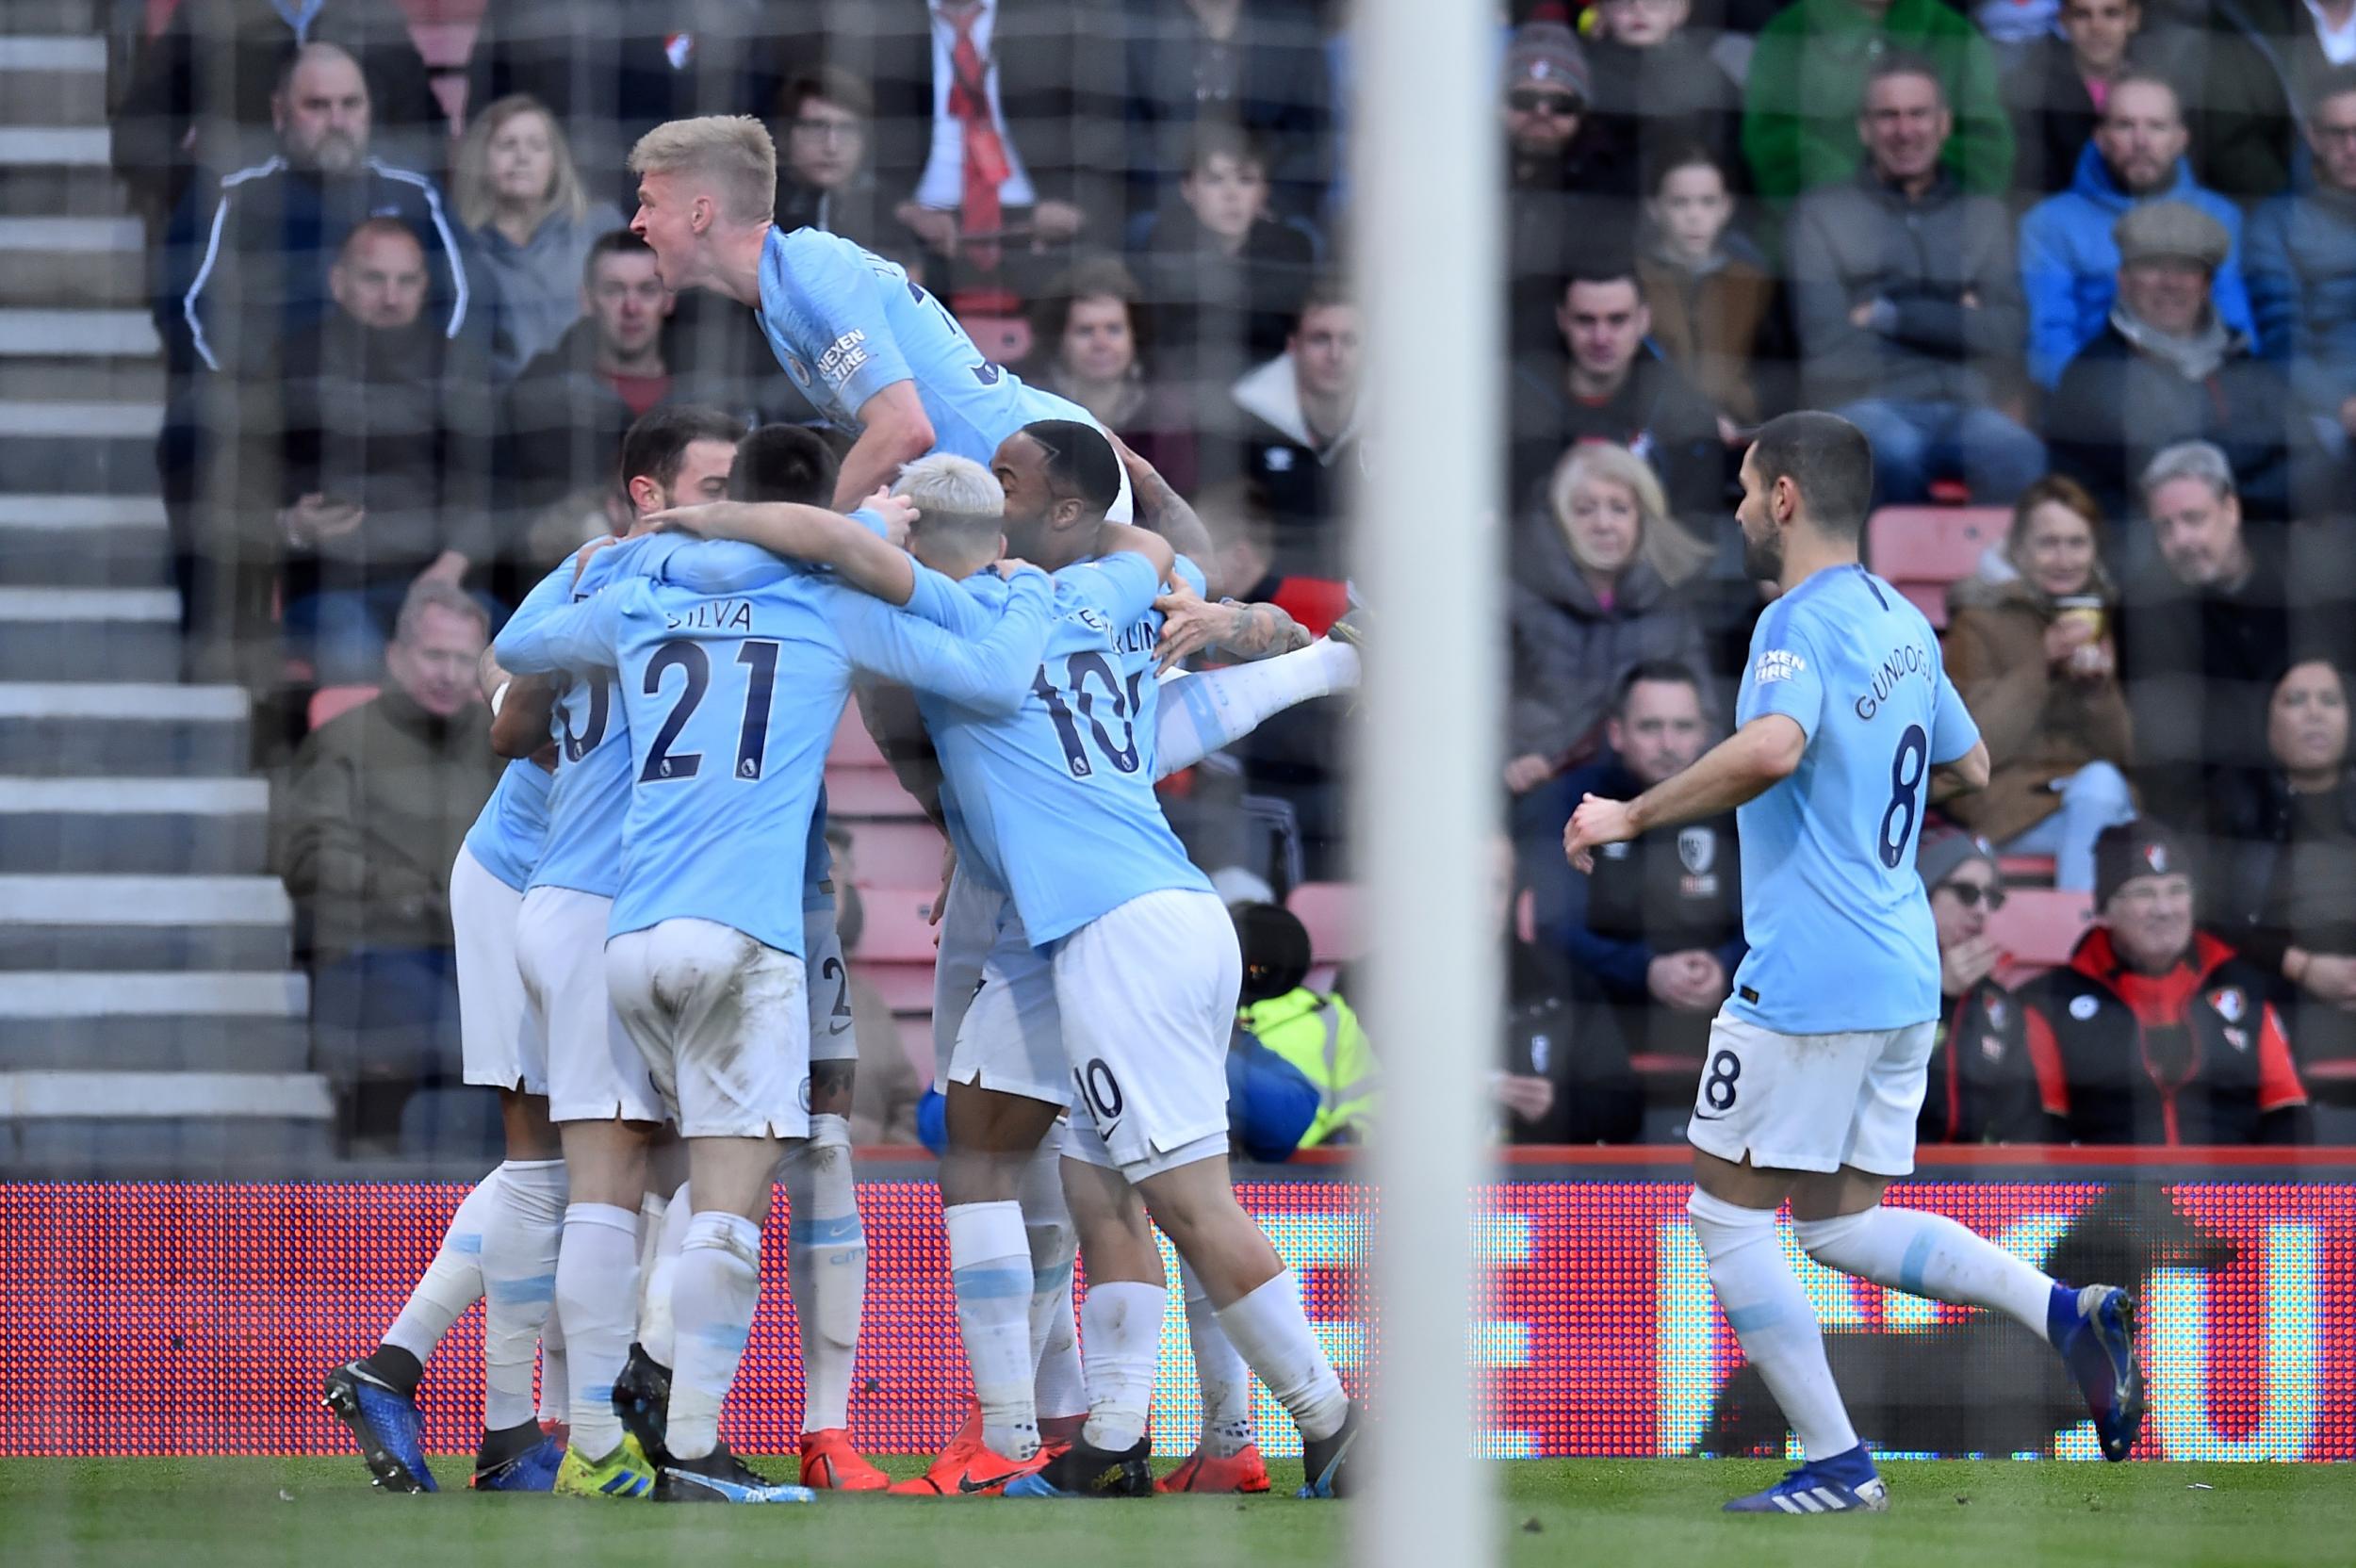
1055,803
845,323
732,702
508,832
1839,924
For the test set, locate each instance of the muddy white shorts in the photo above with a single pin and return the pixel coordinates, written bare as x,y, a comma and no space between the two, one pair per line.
724,1026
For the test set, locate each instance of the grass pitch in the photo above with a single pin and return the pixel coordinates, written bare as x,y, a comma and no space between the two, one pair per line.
320,1513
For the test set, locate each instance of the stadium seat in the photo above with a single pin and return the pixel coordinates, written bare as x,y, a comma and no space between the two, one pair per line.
1922,550
1006,339
853,746
333,702
2025,870
1329,910
892,854
858,794
898,928
446,1122
906,987
2038,928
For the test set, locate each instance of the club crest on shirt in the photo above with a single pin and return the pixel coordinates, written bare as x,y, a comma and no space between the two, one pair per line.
2084,1007
1992,1046
1279,459
679,49
1995,1012
799,371
2238,1039
1540,1054
1697,851
1777,664
2229,1003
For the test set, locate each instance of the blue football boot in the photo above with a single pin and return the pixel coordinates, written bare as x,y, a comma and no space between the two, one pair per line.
1328,1462
720,1476
2094,1329
1845,1484
383,1420
528,1469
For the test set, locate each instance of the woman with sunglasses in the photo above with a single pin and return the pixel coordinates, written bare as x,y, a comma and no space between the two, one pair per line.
1982,1087
2034,659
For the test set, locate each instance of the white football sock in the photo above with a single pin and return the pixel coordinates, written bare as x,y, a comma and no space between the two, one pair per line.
1772,1318
1271,1333
596,1284
1120,1325
1208,710
826,1262
556,1383
1059,1387
652,1210
1929,1254
989,1270
656,1334
453,1280
519,1244
1225,1381
714,1296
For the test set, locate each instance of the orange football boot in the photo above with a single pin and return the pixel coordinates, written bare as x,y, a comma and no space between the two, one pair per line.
1245,1471
829,1464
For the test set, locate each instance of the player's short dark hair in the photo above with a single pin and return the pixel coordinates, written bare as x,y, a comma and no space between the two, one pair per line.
784,462
1080,460
1827,460
1215,137
1903,62
613,243
656,444
1660,672
828,83
2336,81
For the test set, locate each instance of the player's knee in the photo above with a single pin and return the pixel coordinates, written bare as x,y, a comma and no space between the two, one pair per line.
1722,1228
1826,1240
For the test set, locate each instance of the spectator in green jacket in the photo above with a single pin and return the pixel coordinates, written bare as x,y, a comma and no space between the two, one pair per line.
1313,1031
1808,79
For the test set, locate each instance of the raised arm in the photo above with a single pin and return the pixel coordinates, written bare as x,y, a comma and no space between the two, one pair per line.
857,554
992,674
894,430
1162,509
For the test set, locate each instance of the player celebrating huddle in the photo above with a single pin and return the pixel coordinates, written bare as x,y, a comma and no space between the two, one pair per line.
1850,731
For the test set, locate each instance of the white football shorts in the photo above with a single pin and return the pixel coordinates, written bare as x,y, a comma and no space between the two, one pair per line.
498,1029
1812,1101
723,1023
1010,1039
968,928
1147,997
829,988
595,1072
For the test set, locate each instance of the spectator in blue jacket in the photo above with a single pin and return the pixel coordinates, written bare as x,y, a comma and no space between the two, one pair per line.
2070,262
1656,932
246,262
2302,269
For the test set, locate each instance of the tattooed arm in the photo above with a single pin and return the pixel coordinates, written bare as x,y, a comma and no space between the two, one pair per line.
1190,623
1163,510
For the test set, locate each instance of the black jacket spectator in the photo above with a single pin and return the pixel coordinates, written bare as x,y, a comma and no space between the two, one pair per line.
1294,435
613,70
1596,1096
1654,413
1211,309
2195,1056
1265,72
2118,405
1671,92
395,421
213,68
244,269
1983,1088
1670,891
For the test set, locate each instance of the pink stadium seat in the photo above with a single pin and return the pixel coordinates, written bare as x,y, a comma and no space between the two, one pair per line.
2026,869
333,702
898,929
1329,910
1003,338
853,746
2038,928
856,793
1921,550
894,853
916,1043
906,987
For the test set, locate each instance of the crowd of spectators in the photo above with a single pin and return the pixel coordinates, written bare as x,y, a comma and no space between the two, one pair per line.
2094,262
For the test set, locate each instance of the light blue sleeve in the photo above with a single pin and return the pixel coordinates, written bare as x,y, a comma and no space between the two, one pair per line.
945,601
871,521
1784,677
1121,585
827,291
992,675
582,636
1192,574
552,591
720,567
1953,732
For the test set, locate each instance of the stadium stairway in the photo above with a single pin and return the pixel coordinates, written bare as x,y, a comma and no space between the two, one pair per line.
150,1020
